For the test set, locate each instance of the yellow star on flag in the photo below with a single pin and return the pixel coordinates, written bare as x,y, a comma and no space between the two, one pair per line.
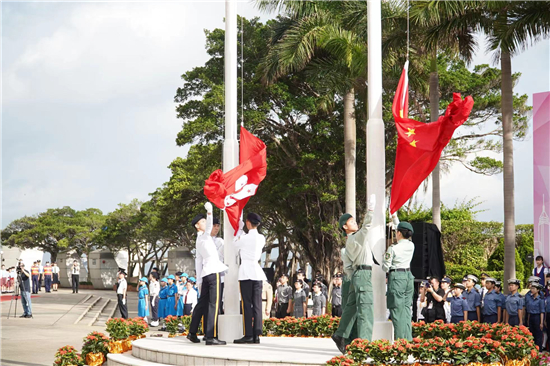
411,132
413,143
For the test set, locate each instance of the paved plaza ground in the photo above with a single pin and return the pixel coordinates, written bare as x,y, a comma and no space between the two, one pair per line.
34,341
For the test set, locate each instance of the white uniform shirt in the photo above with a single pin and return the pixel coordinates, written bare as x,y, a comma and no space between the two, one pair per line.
219,247
249,247
122,285
154,288
75,270
191,297
5,274
206,256
41,269
181,288
55,269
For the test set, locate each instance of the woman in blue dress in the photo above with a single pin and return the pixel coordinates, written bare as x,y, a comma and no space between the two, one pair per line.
163,296
171,301
143,296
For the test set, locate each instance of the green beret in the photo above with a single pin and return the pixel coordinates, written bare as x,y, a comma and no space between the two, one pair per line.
405,225
344,219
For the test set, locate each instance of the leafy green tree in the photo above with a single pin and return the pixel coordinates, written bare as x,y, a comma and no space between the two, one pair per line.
86,225
49,231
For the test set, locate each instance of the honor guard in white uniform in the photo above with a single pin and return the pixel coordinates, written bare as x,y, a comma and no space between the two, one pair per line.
209,269
251,277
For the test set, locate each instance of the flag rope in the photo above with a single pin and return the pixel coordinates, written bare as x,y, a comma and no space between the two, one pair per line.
408,6
242,72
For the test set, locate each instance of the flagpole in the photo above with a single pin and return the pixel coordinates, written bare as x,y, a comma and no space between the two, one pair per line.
230,324
376,170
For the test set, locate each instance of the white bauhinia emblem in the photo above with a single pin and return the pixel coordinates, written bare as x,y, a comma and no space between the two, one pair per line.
242,191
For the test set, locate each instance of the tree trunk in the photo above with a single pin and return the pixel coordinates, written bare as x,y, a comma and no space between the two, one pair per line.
434,115
508,176
349,148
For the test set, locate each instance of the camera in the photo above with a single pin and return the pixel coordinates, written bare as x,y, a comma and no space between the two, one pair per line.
18,269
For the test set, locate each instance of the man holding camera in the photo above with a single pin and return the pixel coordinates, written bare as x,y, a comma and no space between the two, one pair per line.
25,287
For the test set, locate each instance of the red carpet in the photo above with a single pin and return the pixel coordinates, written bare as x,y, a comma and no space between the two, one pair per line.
7,297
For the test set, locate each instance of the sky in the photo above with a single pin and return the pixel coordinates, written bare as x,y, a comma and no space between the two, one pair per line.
88,118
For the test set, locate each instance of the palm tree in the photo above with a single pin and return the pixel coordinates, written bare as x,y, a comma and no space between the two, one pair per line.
315,38
510,26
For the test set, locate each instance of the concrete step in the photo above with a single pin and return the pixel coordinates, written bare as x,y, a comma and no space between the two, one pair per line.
77,311
126,359
107,312
87,307
95,311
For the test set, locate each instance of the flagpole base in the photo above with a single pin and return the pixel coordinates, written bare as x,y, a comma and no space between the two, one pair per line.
230,327
383,329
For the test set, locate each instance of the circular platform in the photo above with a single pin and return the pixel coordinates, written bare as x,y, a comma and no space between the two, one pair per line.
270,352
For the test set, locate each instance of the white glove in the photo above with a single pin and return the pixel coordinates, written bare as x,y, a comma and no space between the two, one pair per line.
395,219
208,207
124,301
372,202
241,224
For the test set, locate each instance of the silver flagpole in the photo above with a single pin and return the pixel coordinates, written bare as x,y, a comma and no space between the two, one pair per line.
230,324
376,171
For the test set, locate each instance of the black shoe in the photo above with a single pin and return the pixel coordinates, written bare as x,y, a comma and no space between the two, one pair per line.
193,338
23,316
256,339
244,340
214,342
204,339
29,316
340,343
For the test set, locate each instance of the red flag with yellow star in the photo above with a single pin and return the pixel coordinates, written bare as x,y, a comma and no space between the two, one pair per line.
419,145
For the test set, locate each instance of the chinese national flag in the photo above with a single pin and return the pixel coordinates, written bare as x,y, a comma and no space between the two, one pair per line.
419,145
232,190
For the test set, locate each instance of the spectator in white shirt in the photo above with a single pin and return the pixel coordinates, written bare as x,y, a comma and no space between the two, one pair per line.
189,298
75,276
154,290
55,273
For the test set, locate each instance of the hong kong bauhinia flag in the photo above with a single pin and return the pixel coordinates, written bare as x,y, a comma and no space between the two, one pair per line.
232,190
419,145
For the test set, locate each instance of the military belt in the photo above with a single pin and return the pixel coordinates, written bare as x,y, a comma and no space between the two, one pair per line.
363,267
400,270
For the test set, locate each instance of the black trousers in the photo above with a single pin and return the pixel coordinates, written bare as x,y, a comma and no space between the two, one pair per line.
534,328
490,319
336,310
208,306
513,320
187,309
472,315
123,308
251,295
154,308
282,308
75,278
48,282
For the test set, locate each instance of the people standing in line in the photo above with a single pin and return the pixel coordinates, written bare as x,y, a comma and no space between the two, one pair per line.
397,263
171,306
163,297
180,285
251,277
48,277
459,305
513,314
535,309
361,260
300,275
319,300
284,294
446,286
473,297
540,269
209,269
55,276
491,303
501,299
336,295
435,298
122,288
143,299
267,299
35,277
4,274
40,275
25,287
154,290
298,303
189,298
75,276
321,281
